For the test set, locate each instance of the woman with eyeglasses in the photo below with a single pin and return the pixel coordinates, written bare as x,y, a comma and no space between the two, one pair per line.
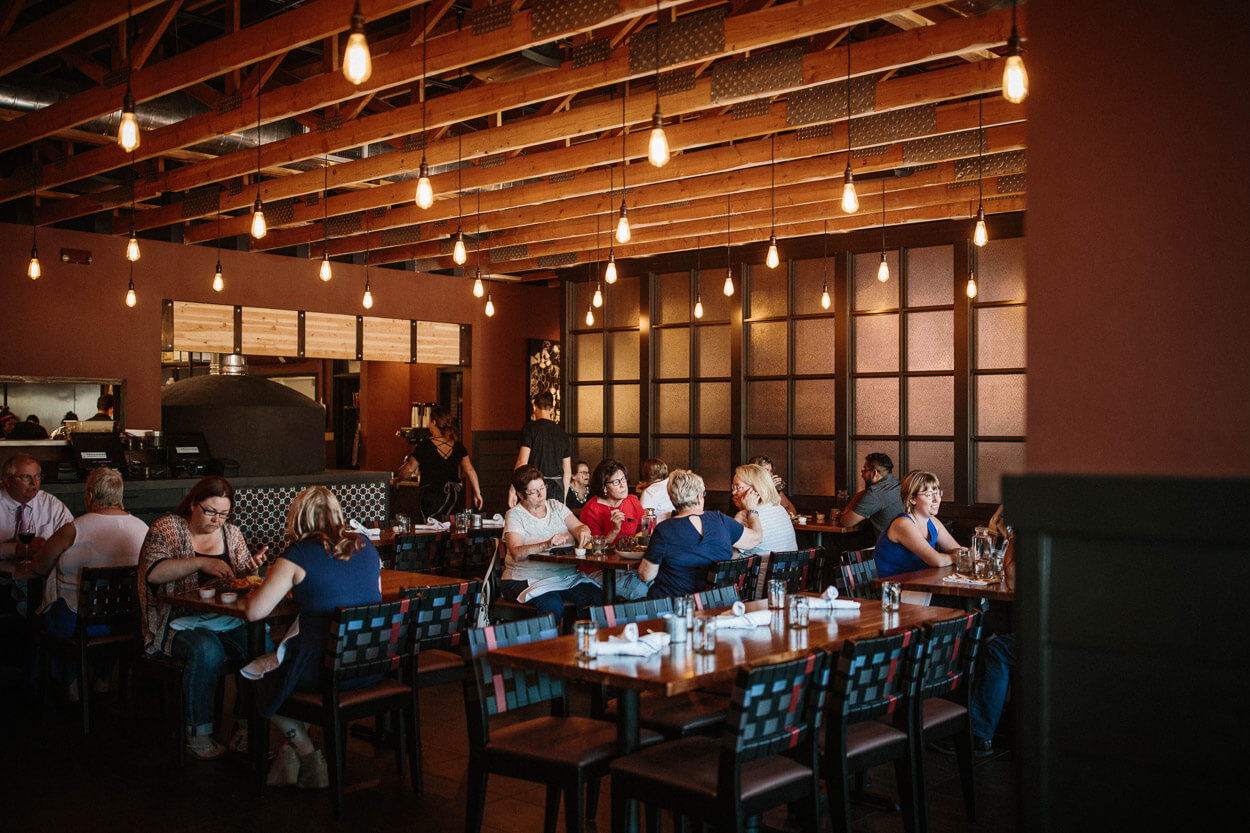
611,511
755,481
915,540
193,544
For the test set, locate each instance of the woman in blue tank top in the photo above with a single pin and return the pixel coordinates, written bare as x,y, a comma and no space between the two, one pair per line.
913,541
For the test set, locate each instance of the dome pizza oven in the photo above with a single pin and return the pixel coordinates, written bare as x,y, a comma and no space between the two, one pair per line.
265,427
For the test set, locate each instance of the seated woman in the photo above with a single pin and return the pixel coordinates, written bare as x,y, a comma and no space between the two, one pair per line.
683,546
753,479
444,465
535,524
106,536
326,566
195,543
778,483
913,541
579,487
614,512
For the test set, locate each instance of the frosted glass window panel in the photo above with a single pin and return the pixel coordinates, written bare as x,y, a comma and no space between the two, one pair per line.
1000,273
1000,405
770,290
624,348
674,451
672,351
620,301
931,340
814,468
713,350
868,293
625,450
767,410
590,409
814,345
767,348
809,278
936,457
625,418
583,291
589,449
865,447
931,405
589,357
930,276
993,461
715,301
1000,333
714,408
876,406
774,450
713,463
876,343
672,408
814,406
673,304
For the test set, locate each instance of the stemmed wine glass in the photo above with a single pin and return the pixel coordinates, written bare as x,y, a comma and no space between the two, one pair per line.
26,534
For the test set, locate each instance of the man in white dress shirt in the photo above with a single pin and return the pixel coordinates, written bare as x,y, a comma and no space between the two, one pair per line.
22,499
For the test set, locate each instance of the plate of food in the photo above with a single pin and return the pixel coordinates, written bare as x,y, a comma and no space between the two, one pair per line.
238,584
631,555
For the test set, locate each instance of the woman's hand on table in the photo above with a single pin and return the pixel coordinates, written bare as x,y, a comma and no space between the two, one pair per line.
584,536
214,567
561,539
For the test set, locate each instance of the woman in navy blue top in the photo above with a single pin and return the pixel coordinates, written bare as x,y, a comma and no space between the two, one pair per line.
914,541
683,546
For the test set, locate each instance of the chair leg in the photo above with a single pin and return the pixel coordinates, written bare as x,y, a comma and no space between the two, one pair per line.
839,800
84,690
475,791
653,818
592,798
908,793
963,755
401,739
620,804
261,753
575,806
552,809
414,751
335,740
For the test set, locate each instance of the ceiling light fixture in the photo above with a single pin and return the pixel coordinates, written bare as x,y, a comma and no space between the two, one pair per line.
219,283
357,62
596,301
128,130
132,245
131,300
490,306
773,259
478,289
980,235
609,273
367,301
258,209
590,315
698,277
425,190
32,269
657,146
1015,78
825,301
850,200
622,225
729,272
883,270
458,253
325,219
971,288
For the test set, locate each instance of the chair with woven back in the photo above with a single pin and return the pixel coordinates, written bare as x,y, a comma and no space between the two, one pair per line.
416,553
362,642
873,679
715,598
799,569
742,573
767,756
108,610
564,753
500,609
856,570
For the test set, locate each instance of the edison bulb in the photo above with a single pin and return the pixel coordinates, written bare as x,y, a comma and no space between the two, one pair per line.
458,253
259,228
729,282
773,259
490,307
128,130
425,191
478,289
609,274
325,268
850,200
590,317
980,235
357,62
1015,80
883,269
971,289
32,268
698,306
131,300
218,282
597,301
657,145
622,226
825,300
367,301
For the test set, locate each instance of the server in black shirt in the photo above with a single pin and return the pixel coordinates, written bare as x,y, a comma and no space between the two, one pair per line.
545,445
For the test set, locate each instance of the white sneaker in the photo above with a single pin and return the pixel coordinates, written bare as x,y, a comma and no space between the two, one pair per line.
204,747
238,737
313,773
285,770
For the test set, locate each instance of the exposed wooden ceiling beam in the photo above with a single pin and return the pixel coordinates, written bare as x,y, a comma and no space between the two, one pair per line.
61,28
151,33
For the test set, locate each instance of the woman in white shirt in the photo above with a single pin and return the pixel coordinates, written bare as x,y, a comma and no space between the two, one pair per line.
778,529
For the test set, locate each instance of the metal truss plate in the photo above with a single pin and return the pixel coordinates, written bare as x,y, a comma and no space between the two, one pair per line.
551,16
555,261
993,164
693,36
814,131
228,103
343,225
1012,184
491,18
564,176
413,142
677,81
945,146
506,253
750,109
280,212
828,101
871,152
201,201
894,125
333,123
400,236
766,72
495,160
591,52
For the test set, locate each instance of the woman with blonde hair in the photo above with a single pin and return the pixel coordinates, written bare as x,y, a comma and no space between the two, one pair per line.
913,541
325,567
757,481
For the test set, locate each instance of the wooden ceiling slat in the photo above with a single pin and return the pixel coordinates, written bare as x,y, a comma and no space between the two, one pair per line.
151,34
61,28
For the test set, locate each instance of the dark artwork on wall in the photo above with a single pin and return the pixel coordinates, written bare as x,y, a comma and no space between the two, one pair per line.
544,373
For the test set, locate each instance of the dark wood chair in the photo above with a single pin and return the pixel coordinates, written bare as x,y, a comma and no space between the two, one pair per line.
873,678
766,757
416,553
856,570
167,672
799,569
742,573
951,653
106,599
500,609
715,598
565,753
362,642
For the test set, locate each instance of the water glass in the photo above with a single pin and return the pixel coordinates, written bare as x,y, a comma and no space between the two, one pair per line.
597,543
776,594
402,522
891,595
704,634
994,566
798,612
963,562
683,609
586,632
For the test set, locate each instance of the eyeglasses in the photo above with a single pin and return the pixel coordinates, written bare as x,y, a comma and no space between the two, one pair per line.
29,478
738,487
930,494
620,481
541,490
215,513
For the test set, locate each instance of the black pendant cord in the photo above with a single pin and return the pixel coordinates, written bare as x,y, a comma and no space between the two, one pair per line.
478,247
772,193
258,86
325,208
883,216
981,140
459,179
728,271
624,131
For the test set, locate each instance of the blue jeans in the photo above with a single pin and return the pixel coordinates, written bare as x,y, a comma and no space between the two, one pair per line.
206,652
583,595
989,691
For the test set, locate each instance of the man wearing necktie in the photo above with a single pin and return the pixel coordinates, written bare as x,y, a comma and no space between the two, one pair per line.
23,499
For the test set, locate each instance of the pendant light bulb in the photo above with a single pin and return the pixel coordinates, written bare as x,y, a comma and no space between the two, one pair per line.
971,288
132,247
597,301
325,267
259,228
478,289
850,200
622,226
590,316
825,300
367,301
131,300
218,282
32,269
698,306
425,191
657,146
883,270
357,62
773,258
609,274
490,306
980,234
128,131
459,254
729,282
1015,77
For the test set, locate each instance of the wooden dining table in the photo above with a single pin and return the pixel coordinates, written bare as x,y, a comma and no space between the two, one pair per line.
678,669
609,562
933,580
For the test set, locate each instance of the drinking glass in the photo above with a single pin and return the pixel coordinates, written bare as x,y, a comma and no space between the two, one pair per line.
25,534
776,594
798,612
683,609
891,595
963,562
704,636
586,632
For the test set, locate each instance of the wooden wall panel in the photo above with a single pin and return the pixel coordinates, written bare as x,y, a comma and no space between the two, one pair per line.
270,332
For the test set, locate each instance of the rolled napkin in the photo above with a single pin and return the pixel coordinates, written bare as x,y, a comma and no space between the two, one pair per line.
435,523
629,643
494,520
954,578
829,600
738,618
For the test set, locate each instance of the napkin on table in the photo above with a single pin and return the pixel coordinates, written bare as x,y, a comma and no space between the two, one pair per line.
829,600
494,520
629,643
971,582
738,617
435,523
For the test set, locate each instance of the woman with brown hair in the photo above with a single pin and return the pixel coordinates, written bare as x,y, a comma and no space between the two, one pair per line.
444,465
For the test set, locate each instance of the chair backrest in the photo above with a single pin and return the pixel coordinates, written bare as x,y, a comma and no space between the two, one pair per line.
743,573
716,598
776,707
799,569
415,553
872,675
501,688
856,570
368,639
107,596
442,614
607,616
951,649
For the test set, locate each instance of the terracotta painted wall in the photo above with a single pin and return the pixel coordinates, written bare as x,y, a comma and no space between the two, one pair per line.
73,322
1138,225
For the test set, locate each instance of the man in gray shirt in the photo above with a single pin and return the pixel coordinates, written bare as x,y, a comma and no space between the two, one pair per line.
878,501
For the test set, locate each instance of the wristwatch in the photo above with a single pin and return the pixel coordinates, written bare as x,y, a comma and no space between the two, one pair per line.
753,512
